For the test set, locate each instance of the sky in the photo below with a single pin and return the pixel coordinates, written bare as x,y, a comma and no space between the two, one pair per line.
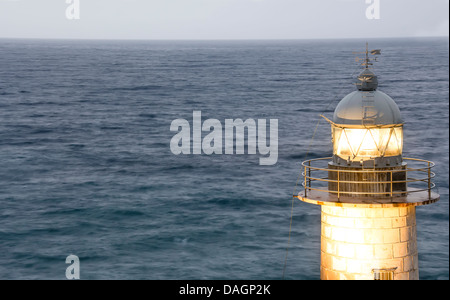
222,19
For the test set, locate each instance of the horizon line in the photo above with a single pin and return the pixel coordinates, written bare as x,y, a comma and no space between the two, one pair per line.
220,39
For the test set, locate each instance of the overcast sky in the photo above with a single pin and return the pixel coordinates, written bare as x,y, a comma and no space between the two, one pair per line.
222,19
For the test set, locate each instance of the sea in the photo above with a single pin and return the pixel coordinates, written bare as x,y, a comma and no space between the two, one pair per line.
87,168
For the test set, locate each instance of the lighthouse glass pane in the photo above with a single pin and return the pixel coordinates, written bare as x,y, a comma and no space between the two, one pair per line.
336,132
367,143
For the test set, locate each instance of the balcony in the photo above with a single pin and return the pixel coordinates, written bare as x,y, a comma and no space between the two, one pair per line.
407,185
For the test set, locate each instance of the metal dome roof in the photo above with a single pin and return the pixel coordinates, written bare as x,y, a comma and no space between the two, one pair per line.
367,107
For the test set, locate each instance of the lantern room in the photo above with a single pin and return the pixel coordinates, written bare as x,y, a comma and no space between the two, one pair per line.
367,128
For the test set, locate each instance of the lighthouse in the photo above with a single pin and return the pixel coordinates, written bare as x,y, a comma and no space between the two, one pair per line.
368,191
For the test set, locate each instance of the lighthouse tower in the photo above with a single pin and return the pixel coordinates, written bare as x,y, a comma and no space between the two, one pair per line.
368,192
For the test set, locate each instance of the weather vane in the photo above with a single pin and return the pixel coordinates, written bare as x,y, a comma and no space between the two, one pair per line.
367,61
367,80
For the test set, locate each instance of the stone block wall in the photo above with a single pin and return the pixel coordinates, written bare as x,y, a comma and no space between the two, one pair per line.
357,241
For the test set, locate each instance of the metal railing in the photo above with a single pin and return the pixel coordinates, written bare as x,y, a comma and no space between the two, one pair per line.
425,181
